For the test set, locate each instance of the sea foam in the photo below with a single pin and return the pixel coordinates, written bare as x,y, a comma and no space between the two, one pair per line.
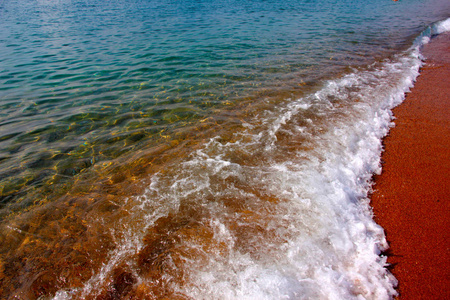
441,27
331,246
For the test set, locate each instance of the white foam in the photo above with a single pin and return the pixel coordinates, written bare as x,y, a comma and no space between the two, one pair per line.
331,244
435,29
441,27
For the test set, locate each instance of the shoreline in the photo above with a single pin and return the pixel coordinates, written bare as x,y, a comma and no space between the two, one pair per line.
410,197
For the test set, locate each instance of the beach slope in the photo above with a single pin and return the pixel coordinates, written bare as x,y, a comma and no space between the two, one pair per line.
411,196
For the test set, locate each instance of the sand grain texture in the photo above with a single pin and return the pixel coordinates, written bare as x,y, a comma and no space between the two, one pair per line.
411,197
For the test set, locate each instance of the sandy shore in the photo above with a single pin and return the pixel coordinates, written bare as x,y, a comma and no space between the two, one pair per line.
412,196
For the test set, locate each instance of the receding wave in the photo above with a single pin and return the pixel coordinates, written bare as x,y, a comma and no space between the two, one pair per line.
275,210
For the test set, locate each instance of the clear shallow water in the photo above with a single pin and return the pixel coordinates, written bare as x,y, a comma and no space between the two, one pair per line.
207,149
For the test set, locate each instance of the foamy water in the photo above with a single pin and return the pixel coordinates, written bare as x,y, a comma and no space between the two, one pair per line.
279,209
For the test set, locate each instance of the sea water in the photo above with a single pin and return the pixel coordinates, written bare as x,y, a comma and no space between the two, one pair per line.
199,149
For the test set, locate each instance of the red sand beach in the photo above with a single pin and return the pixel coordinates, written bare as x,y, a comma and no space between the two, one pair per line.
411,196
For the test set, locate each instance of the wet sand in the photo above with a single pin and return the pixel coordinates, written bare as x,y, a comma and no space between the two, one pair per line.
411,196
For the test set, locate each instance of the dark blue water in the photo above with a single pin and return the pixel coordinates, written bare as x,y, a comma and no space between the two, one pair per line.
96,97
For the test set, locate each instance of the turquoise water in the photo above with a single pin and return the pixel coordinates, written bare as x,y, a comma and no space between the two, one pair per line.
85,82
107,110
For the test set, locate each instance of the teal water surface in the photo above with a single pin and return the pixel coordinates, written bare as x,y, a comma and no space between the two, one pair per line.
139,136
